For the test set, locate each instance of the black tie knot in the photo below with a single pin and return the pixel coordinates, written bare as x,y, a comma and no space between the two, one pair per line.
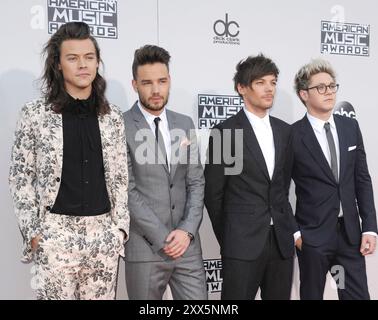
156,120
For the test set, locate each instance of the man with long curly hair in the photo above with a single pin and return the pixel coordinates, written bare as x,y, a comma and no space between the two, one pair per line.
68,175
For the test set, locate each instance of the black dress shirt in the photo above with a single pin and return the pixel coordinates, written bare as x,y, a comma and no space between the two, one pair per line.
82,190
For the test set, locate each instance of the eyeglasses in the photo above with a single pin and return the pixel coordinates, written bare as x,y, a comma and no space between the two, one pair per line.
322,88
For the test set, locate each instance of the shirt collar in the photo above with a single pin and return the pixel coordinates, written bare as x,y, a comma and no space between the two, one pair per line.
150,117
318,124
255,120
80,106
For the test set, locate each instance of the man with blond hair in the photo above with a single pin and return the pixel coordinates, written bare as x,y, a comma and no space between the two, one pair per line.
333,189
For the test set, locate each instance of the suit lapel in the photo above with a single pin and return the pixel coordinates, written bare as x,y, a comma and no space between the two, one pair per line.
342,144
251,142
103,123
277,145
172,124
55,125
311,142
141,124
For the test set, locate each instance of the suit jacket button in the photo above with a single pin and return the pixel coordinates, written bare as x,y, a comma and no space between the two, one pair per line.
173,207
48,208
58,179
171,186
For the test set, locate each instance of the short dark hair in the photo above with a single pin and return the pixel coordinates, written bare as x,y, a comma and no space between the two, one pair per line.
252,68
149,54
52,78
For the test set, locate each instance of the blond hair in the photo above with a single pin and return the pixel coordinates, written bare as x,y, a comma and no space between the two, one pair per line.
303,76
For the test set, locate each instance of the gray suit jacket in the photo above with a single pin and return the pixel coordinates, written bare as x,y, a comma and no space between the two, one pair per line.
161,200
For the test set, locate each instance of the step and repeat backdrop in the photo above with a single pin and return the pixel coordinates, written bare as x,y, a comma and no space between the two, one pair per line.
206,39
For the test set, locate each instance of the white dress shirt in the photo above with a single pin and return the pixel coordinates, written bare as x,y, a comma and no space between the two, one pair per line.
163,127
320,133
264,134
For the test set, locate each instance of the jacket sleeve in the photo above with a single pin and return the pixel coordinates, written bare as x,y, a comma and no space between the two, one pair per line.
195,184
215,182
23,180
120,181
288,169
364,189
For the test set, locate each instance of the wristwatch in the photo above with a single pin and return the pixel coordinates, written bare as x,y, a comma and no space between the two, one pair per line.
190,235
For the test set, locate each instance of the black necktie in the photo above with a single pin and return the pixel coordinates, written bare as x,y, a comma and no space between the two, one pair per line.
160,140
332,149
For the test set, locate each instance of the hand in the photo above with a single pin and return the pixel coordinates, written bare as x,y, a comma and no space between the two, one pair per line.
368,244
298,243
177,243
35,242
124,235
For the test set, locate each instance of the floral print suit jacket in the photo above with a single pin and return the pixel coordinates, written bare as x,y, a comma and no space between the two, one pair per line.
36,165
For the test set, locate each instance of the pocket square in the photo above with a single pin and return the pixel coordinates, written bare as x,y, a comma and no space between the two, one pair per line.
352,148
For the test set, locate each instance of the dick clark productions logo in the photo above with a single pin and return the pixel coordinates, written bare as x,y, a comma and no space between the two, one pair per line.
226,31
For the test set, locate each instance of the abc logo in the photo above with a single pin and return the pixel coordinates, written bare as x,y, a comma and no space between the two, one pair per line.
226,28
344,108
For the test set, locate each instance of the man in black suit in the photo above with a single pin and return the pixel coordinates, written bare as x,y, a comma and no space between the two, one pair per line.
246,190
333,189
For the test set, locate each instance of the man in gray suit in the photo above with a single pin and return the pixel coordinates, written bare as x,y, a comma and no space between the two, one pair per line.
166,189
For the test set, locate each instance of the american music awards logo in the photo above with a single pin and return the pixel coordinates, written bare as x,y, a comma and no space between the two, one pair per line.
214,279
100,15
340,38
214,109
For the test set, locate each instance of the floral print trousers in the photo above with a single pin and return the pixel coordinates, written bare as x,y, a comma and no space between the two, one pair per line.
77,257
